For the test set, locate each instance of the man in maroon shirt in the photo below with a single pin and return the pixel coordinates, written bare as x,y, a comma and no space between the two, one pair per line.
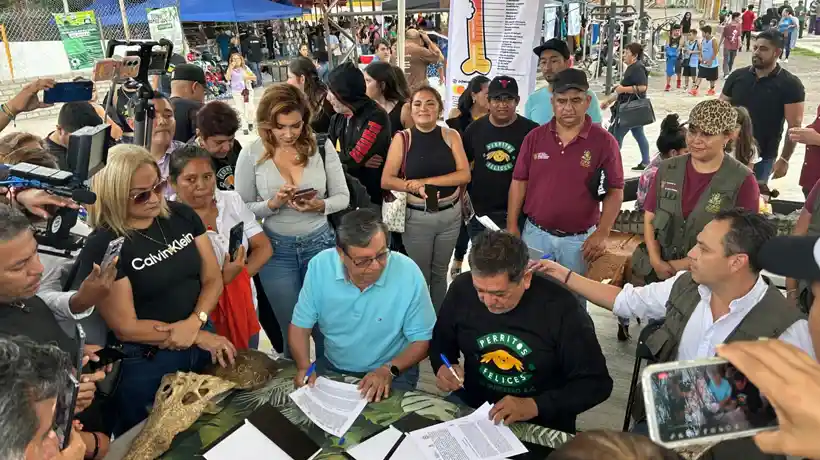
747,25
564,169
810,137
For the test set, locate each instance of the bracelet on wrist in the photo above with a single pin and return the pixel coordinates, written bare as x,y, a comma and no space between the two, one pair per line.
566,278
96,445
7,110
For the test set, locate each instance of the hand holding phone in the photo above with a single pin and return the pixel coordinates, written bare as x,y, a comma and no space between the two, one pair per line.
703,401
236,234
305,194
72,91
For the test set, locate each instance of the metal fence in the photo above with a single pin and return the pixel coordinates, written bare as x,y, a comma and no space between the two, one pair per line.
29,32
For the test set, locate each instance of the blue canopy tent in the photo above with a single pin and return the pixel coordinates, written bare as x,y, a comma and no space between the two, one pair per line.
197,11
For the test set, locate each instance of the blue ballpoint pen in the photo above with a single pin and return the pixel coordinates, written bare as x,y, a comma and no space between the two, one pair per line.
449,366
310,371
548,256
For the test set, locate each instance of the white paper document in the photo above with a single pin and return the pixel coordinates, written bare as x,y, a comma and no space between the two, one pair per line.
488,223
332,406
473,437
377,447
246,442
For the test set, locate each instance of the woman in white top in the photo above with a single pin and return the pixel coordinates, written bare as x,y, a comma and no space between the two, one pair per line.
194,180
269,173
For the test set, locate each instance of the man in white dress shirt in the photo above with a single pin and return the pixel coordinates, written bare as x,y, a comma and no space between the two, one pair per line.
723,298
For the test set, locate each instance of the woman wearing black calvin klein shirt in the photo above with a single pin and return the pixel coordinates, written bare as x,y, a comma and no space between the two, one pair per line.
168,280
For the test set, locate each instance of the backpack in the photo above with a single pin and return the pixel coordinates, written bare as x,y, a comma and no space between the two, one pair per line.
359,198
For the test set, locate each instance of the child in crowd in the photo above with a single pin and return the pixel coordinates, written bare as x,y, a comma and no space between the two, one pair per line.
241,79
673,56
708,65
671,143
744,148
691,58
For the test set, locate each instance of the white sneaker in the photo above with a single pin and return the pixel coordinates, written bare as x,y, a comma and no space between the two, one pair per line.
785,61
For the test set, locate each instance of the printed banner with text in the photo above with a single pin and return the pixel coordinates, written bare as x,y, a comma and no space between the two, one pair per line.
492,38
164,23
80,37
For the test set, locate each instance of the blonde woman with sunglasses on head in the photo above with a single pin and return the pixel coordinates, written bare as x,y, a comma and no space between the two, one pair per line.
168,280
241,79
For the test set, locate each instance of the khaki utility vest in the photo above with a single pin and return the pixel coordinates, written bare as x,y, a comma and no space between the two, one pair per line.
675,234
769,318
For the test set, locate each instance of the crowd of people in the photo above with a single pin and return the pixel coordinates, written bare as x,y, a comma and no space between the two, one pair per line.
351,203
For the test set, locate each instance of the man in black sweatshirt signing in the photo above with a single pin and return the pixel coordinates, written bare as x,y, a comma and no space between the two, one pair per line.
527,346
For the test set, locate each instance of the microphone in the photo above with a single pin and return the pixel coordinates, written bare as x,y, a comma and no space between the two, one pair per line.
80,195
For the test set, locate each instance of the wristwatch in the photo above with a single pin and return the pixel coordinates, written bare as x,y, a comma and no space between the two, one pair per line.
201,316
394,370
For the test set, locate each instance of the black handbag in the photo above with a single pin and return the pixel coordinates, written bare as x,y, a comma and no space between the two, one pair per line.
637,111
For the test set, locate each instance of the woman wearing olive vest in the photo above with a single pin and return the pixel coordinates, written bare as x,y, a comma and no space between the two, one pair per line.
689,190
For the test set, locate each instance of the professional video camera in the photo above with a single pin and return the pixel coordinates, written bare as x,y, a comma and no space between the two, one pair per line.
87,154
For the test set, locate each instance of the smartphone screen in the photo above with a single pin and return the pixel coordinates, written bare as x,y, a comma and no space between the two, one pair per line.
236,239
74,91
64,410
687,402
432,197
113,251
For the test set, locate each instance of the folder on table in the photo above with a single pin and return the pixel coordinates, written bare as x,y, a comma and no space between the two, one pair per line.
266,433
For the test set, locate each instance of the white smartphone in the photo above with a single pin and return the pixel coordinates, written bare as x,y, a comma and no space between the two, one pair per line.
113,251
702,401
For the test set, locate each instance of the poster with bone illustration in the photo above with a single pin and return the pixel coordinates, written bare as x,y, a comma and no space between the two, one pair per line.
492,38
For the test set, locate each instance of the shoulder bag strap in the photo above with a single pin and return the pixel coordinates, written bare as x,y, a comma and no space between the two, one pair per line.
405,138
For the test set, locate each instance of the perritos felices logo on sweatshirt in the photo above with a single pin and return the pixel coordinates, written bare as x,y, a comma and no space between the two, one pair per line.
502,362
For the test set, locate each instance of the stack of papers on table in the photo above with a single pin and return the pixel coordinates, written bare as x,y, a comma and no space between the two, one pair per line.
474,437
332,406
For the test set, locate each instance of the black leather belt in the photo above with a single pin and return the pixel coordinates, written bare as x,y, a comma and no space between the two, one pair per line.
441,207
558,233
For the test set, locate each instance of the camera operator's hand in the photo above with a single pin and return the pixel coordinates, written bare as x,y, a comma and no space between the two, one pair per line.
95,287
28,99
790,380
38,202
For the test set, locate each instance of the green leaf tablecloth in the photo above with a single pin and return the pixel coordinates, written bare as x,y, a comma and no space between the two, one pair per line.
239,404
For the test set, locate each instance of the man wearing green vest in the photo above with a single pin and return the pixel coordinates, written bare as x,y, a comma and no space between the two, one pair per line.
689,190
722,298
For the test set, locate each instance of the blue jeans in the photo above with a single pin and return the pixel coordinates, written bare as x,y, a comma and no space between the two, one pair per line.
283,274
763,170
640,137
566,249
140,377
407,381
254,66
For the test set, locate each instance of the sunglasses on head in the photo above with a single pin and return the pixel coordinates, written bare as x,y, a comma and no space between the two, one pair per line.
144,196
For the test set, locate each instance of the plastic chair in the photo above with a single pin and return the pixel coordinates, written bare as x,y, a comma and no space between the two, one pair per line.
642,353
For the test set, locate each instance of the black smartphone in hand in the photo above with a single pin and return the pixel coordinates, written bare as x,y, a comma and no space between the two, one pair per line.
108,355
237,232
432,197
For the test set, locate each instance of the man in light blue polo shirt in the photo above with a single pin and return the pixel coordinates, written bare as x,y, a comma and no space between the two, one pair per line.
553,57
372,306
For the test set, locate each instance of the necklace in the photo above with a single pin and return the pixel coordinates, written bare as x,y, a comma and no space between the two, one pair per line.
165,241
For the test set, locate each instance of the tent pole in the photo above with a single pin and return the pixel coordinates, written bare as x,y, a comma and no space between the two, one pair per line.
125,21
402,7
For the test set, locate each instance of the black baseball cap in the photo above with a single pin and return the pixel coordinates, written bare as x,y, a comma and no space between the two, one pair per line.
502,86
570,79
188,72
554,44
792,256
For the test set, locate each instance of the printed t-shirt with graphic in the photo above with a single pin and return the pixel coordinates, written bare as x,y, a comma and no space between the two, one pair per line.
545,348
731,37
494,151
695,184
224,168
161,262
